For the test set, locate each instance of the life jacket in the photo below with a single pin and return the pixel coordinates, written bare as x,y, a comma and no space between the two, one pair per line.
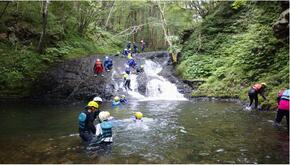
127,70
115,103
83,117
108,61
98,64
131,62
285,95
284,100
124,101
257,87
106,129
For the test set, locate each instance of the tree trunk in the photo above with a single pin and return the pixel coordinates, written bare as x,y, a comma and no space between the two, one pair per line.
164,25
40,47
7,3
106,25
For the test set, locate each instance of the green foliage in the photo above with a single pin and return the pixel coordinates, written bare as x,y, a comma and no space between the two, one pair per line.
242,49
21,65
238,3
195,67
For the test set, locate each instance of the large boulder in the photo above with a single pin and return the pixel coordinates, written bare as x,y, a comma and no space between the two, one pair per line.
281,27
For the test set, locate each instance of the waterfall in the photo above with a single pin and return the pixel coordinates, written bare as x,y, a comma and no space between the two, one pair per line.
157,88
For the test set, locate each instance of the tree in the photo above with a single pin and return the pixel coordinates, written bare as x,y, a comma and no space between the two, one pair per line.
40,47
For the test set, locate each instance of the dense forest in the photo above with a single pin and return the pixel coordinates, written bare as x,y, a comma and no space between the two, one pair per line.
228,45
234,47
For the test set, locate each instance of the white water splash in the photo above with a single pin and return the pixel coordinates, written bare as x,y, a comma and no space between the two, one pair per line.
158,88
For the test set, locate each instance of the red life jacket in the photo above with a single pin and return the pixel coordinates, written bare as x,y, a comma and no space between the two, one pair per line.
98,63
257,87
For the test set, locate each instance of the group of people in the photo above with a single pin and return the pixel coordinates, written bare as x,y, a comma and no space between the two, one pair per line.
99,67
282,101
119,100
131,63
101,133
128,49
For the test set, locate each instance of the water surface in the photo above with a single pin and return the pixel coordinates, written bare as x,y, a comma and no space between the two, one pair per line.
171,132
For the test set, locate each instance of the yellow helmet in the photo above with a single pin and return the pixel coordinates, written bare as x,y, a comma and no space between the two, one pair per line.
123,96
138,115
129,56
117,98
264,84
93,104
126,76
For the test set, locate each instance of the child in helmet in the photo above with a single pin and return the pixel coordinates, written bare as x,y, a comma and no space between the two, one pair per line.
138,117
98,67
108,63
103,130
123,99
116,101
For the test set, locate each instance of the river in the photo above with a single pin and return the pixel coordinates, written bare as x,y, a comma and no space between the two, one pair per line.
171,132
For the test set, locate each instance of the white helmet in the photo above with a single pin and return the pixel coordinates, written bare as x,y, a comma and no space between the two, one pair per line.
104,115
107,57
98,99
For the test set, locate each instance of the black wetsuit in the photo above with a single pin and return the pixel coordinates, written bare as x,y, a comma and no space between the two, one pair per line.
253,95
87,128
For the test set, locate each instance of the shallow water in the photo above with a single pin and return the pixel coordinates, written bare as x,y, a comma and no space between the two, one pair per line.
171,132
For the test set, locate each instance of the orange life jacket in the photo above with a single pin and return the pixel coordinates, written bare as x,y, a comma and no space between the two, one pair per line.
98,63
257,87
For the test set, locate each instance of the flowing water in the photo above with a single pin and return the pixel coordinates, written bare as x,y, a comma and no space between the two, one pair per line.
171,132
174,130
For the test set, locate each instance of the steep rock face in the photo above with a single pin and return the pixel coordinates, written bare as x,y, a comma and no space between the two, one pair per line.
74,80
281,27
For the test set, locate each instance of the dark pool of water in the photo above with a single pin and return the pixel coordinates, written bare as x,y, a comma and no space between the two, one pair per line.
171,132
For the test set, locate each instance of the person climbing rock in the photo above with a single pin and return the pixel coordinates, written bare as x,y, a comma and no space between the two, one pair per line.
104,134
131,62
283,107
86,118
142,46
123,99
116,101
127,81
258,88
135,46
98,67
138,117
125,52
127,69
108,63
128,45
140,69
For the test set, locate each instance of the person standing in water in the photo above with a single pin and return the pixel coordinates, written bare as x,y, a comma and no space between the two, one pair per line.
254,91
283,107
138,117
86,118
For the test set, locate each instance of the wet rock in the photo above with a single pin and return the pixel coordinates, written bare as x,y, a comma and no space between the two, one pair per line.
281,27
74,80
142,83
